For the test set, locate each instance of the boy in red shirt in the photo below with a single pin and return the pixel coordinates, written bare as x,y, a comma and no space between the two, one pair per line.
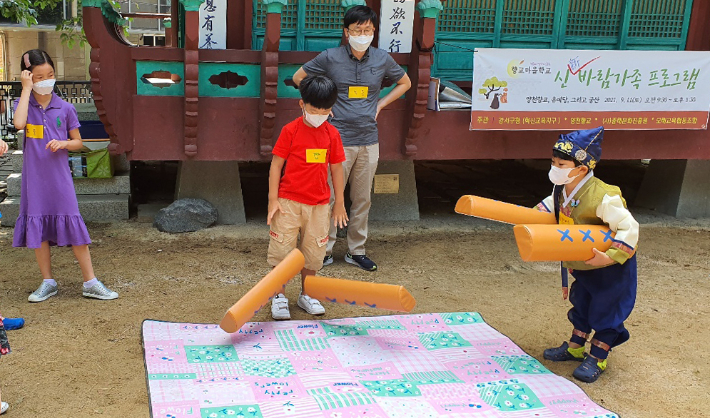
299,200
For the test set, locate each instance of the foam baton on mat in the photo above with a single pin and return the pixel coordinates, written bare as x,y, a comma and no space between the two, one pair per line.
365,294
561,242
495,210
271,285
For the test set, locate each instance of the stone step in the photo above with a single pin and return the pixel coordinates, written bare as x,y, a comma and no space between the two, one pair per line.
93,208
120,163
118,184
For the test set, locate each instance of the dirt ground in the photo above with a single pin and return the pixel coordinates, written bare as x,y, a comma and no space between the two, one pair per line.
83,358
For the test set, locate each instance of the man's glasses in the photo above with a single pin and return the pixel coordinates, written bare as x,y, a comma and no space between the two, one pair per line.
359,32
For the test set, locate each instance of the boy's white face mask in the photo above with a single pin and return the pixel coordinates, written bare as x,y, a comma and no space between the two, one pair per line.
315,120
44,87
560,176
360,43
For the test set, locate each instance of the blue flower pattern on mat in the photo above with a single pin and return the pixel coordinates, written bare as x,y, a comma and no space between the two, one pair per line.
344,330
520,365
509,395
391,388
462,318
439,340
211,354
236,411
268,368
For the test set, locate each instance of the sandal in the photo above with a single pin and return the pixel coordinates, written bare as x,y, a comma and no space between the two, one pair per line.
589,371
560,353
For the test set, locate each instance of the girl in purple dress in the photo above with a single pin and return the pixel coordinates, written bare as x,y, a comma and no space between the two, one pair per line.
49,212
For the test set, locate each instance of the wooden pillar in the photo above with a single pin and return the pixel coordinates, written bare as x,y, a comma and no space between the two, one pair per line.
175,23
168,32
420,72
191,51
270,75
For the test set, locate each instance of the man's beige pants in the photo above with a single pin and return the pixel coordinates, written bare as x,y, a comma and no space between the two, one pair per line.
359,171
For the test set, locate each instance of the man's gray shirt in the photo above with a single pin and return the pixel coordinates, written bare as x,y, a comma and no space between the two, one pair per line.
355,117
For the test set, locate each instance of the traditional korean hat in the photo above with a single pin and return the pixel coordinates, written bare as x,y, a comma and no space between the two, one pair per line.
584,146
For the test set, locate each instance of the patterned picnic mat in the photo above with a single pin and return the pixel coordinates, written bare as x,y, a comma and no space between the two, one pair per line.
451,365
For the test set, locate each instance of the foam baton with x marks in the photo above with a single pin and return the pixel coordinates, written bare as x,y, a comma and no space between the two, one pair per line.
561,242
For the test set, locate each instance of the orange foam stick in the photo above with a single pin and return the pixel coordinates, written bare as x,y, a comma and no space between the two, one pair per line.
365,294
260,295
561,242
495,210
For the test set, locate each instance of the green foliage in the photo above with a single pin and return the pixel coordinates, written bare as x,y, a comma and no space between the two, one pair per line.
25,11
72,33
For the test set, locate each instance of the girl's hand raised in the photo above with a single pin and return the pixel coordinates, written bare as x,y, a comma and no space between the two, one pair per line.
26,78
55,145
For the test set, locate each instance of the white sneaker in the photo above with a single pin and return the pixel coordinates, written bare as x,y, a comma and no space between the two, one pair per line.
99,291
310,305
43,292
279,307
3,407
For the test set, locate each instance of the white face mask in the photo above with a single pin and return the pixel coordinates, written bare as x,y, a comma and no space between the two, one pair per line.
560,176
44,86
360,43
315,120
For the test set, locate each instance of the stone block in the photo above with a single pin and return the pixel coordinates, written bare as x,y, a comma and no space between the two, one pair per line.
120,184
120,162
93,208
400,206
16,158
217,182
680,188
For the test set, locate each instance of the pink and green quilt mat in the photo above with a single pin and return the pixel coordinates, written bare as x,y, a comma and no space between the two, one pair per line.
449,365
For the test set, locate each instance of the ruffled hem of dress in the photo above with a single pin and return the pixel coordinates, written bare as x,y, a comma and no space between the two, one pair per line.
58,230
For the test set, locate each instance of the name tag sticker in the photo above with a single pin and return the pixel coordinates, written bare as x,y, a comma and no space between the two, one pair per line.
358,92
34,131
565,220
316,156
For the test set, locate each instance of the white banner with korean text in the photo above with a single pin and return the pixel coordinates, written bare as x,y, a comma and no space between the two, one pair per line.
563,89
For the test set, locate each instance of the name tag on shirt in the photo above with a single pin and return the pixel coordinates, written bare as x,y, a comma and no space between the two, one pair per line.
565,220
34,131
358,92
316,156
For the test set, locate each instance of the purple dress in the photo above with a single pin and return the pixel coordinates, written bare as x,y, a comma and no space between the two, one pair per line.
48,207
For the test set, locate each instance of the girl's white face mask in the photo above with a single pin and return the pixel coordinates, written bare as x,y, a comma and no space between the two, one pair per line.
315,120
360,43
44,87
560,176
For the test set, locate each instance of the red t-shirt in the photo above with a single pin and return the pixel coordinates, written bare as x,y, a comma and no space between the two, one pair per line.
307,152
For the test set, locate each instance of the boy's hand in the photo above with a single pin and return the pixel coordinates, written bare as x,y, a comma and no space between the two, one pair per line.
274,206
600,259
26,78
3,147
55,145
340,216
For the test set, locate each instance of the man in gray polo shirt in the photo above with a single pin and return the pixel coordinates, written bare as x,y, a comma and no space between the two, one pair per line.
358,70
